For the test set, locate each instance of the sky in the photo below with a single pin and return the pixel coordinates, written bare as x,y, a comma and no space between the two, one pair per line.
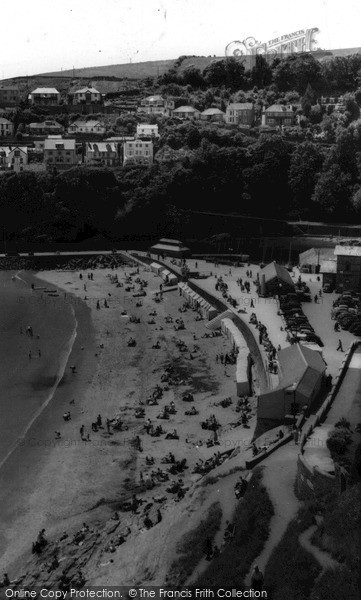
45,35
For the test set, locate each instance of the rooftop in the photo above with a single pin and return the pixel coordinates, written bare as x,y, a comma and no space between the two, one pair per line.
274,270
45,91
213,111
279,108
61,144
188,109
92,90
347,250
101,147
240,106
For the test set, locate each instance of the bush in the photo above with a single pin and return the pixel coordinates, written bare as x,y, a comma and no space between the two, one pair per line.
343,422
338,439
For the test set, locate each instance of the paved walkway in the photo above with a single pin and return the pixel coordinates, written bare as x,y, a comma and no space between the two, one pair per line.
348,400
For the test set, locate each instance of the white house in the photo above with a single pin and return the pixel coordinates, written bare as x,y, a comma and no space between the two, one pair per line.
240,113
146,130
59,152
213,114
186,112
87,95
14,158
153,105
44,97
6,127
138,152
87,127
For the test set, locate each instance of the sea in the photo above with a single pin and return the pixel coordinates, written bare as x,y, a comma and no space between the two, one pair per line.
31,368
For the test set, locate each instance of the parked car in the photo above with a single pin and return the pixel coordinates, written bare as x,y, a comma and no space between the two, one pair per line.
328,288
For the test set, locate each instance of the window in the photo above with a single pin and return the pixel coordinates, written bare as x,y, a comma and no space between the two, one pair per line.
347,266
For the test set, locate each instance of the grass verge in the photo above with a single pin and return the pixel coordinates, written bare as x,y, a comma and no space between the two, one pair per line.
252,517
190,548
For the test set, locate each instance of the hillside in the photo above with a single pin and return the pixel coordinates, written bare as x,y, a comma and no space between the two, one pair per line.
124,74
159,67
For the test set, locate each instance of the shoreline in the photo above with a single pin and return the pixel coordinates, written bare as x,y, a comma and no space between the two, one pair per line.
30,454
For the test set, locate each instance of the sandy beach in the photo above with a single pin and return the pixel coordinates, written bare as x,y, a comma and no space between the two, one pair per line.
59,484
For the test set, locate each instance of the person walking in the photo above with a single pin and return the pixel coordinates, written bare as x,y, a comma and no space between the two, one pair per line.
257,579
339,347
295,434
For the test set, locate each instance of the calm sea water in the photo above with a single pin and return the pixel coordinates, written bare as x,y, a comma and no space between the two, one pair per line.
28,384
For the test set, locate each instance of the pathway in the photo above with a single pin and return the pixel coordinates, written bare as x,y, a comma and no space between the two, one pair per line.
279,475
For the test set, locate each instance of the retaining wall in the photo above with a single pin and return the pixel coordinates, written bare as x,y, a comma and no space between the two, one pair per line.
234,334
313,481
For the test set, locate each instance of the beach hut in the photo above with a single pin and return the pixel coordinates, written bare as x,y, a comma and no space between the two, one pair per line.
156,268
302,372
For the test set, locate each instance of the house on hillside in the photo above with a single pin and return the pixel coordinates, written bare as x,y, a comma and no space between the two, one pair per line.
186,112
87,127
87,95
45,128
6,128
147,131
278,115
214,115
9,95
138,152
13,158
101,154
44,97
156,105
59,153
348,269
274,280
302,374
240,113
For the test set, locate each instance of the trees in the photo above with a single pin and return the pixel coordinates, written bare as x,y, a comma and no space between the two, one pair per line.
332,193
261,73
228,71
297,71
306,162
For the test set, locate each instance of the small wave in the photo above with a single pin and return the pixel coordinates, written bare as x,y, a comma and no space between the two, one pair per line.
64,358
